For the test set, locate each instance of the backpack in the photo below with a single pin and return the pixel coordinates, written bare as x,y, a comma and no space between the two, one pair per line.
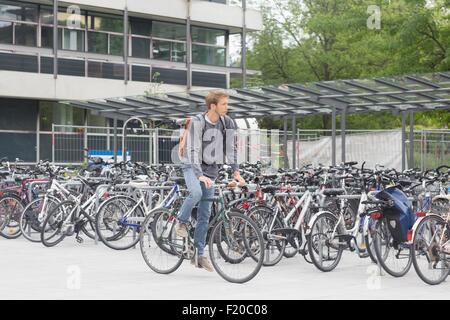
184,137
400,218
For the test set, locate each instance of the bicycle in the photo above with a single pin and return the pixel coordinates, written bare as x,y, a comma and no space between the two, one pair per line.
118,219
234,240
74,215
17,194
329,235
431,248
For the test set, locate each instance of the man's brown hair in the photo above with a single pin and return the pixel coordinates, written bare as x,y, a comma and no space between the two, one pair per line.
214,97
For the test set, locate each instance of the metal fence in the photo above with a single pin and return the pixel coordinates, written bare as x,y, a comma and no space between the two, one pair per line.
271,147
431,148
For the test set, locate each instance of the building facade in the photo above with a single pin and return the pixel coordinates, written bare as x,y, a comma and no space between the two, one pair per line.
53,51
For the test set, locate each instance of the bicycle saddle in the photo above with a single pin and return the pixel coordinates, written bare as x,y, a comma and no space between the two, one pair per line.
333,192
404,183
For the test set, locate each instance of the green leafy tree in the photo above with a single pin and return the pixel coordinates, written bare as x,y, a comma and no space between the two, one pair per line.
323,40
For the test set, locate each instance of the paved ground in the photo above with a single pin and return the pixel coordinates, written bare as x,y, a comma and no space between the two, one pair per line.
89,271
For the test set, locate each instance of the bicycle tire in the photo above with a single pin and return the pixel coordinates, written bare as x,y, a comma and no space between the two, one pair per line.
28,219
383,256
63,209
149,231
415,252
7,218
119,232
244,221
312,248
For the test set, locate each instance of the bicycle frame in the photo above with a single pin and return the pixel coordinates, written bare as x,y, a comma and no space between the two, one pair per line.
134,222
353,232
58,188
416,224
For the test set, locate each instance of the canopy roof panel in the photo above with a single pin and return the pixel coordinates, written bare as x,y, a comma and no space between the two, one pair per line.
408,93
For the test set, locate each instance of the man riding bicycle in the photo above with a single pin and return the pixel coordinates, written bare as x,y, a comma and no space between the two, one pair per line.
210,141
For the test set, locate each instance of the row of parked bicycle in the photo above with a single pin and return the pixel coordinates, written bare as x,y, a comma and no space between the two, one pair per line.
396,219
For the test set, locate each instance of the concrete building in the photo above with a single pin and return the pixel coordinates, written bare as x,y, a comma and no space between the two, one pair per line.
108,48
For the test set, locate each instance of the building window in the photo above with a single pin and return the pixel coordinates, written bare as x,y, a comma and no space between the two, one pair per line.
140,27
100,22
70,20
208,55
208,36
208,46
46,14
70,39
19,19
12,10
71,33
98,42
6,32
140,30
116,45
140,47
105,70
171,31
26,34
170,51
178,53
96,120
105,35
47,37
161,50
169,41
53,112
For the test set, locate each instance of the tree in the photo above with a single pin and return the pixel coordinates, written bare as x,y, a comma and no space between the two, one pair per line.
323,40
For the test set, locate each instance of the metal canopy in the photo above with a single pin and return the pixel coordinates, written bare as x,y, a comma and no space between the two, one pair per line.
408,93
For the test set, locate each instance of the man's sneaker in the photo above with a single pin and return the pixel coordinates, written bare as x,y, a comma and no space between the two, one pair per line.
203,262
181,229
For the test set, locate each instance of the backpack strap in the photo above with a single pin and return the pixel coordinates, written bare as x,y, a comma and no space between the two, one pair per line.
224,137
201,118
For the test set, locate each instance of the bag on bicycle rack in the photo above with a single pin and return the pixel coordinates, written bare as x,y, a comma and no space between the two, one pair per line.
400,217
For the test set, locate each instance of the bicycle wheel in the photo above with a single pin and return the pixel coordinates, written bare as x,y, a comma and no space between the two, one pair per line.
89,228
161,249
324,248
368,239
431,263
370,248
33,216
440,206
11,207
395,258
118,222
222,247
274,247
290,251
58,224
237,235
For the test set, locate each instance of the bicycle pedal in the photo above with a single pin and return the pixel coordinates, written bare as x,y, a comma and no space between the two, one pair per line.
79,239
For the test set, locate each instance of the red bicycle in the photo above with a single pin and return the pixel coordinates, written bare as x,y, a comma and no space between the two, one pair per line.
16,191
